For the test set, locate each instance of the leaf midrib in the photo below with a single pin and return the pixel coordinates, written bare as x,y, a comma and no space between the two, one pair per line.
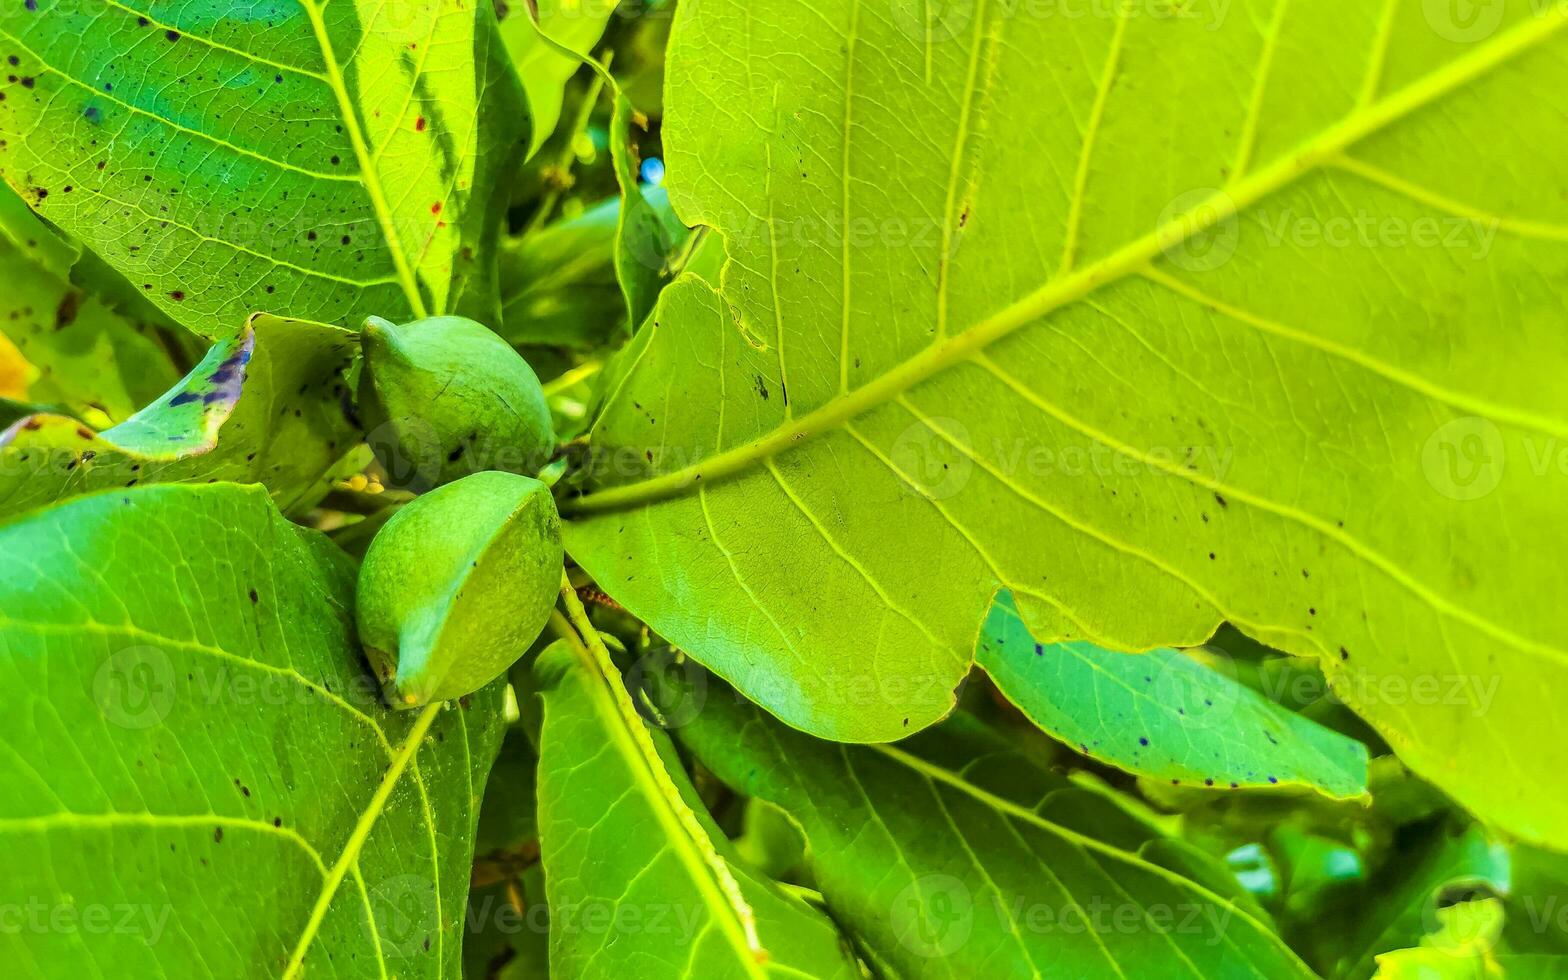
1062,291
349,857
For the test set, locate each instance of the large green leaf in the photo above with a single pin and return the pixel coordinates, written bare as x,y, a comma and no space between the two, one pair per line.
330,161
195,754
1163,714
267,406
937,876
1237,313
629,894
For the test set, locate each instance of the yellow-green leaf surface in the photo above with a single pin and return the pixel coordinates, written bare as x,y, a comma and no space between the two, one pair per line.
200,779
266,406
1245,312
938,875
1164,715
629,893
325,160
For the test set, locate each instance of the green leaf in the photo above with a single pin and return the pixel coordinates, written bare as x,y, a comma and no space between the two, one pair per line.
508,825
330,161
575,24
1433,866
193,746
1459,949
1038,302
506,866
629,894
1537,902
29,235
558,284
936,875
1162,714
82,352
648,233
263,407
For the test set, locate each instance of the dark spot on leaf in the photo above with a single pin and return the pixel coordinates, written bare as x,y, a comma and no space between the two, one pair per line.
172,35
177,295
217,835
419,124
65,313
1143,741
1221,500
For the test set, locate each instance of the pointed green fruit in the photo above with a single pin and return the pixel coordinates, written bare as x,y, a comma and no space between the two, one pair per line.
458,585
445,397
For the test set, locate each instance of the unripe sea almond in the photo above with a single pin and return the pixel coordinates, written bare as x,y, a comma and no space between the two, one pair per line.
458,585
445,397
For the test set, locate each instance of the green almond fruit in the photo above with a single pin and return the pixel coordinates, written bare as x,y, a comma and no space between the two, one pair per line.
458,585
445,397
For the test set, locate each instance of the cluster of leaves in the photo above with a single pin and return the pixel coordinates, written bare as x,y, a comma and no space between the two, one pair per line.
1045,492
